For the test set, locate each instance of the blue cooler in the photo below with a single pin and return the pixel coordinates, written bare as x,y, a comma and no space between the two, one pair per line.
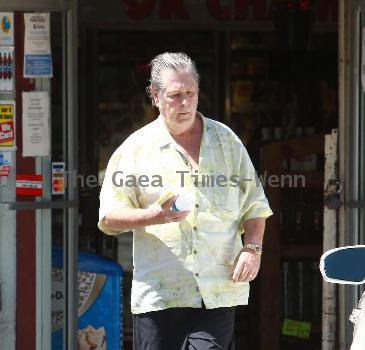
99,302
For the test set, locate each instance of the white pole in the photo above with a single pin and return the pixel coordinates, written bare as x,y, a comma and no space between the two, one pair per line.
329,241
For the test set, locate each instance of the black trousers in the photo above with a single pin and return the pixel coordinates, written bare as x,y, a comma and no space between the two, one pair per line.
184,329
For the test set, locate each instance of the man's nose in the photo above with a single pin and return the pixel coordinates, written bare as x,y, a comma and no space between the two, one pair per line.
184,99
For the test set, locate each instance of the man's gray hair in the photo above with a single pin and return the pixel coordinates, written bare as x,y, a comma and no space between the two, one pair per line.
176,61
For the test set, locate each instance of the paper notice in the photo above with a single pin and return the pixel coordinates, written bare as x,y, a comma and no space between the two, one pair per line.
37,46
35,124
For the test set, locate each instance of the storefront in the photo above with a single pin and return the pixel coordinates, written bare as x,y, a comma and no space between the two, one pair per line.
273,71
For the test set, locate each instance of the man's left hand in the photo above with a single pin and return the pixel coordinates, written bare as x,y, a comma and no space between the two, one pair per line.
246,266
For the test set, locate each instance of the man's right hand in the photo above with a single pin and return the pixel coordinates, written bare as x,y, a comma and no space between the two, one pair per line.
126,219
162,214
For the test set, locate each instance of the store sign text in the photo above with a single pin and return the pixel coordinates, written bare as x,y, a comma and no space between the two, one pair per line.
221,10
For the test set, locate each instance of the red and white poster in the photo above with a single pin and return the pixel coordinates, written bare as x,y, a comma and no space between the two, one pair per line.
7,125
28,185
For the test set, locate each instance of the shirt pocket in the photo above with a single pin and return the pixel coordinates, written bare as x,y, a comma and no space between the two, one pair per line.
217,222
219,239
221,202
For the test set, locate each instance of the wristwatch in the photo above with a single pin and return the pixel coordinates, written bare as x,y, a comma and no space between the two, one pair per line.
256,248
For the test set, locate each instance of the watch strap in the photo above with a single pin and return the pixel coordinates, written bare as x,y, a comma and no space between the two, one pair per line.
256,248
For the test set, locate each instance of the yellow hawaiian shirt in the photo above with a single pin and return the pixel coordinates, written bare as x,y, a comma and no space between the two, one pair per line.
180,263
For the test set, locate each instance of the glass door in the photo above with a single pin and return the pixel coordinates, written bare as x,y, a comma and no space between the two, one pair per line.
45,98
60,170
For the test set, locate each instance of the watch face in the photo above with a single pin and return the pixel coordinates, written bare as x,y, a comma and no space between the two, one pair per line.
257,250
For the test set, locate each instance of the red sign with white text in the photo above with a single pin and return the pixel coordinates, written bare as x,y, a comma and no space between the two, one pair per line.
248,14
223,10
28,185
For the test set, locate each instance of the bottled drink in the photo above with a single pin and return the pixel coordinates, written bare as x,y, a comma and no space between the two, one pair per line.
1,67
184,201
1,72
5,67
9,66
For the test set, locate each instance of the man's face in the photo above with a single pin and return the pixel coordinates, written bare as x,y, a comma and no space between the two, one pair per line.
178,99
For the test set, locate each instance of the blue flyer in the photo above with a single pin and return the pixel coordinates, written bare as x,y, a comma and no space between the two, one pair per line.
38,65
37,46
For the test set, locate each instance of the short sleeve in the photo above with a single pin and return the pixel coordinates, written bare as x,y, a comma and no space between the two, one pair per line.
114,192
253,202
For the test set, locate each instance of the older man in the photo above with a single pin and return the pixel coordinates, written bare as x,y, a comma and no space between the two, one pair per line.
190,268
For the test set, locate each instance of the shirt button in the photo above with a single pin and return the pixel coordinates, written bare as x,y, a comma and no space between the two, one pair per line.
194,228
196,275
196,205
195,252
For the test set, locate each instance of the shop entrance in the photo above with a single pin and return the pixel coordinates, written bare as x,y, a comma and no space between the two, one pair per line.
279,96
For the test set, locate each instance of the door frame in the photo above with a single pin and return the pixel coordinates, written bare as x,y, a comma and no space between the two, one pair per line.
69,8
351,149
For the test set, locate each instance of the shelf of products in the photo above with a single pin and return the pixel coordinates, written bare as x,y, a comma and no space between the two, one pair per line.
277,95
293,245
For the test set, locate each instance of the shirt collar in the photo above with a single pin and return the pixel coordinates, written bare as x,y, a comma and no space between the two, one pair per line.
165,140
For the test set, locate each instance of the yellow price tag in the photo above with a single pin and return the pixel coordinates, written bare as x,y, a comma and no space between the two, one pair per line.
298,329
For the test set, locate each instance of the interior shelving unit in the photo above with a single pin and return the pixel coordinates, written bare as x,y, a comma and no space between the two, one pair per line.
290,284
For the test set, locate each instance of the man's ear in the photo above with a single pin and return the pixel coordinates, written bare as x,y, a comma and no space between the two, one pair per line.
155,98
